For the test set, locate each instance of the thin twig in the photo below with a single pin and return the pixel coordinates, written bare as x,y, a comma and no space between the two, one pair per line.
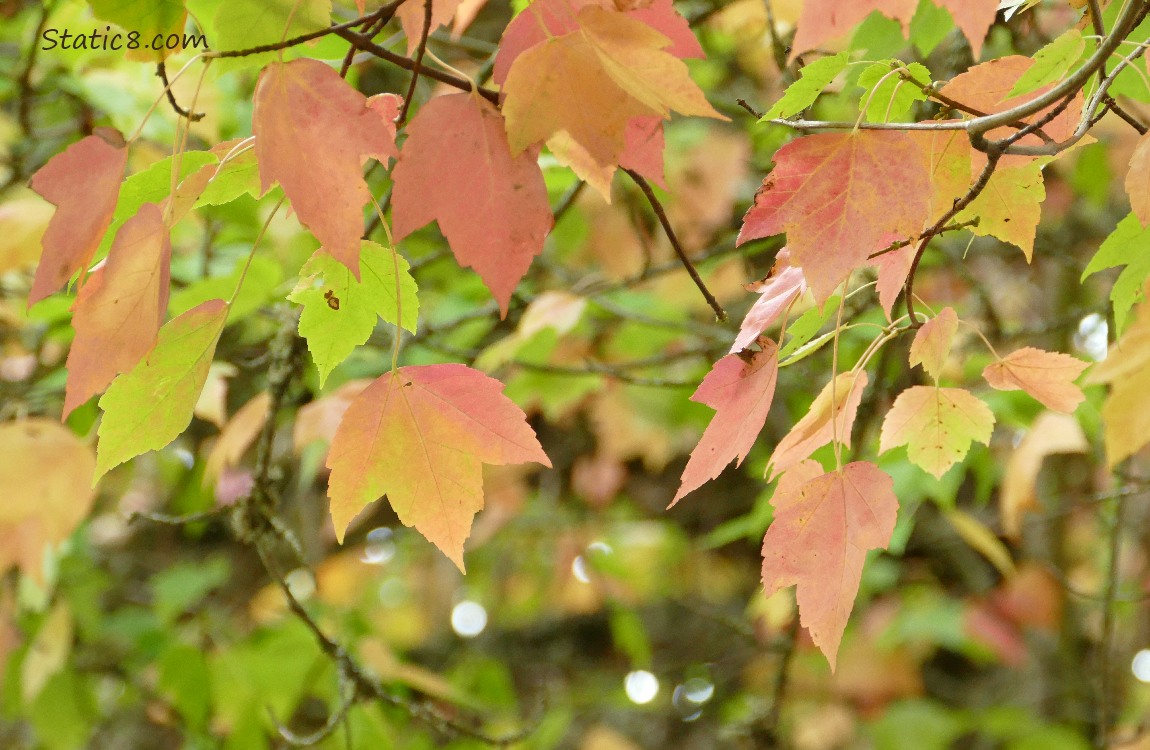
332,723
899,244
363,684
362,43
1127,117
960,204
168,520
657,207
754,112
1107,640
162,72
567,200
24,81
1094,8
384,11
779,691
419,52
369,30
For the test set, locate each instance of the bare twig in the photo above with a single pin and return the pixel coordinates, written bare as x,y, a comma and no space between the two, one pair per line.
567,200
168,520
1106,644
361,42
419,52
162,72
657,207
960,204
384,11
369,30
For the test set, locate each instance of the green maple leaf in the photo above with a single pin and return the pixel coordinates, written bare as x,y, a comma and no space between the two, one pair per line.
147,408
339,313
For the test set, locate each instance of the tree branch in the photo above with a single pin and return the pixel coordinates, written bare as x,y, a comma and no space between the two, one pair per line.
419,52
960,204
362,43
384,12
657,207
162,72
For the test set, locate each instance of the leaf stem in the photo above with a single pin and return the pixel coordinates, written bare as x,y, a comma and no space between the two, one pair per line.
835,376
398,288
252,254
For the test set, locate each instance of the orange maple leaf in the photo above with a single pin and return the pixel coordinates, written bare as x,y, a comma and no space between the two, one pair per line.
420,436
824,20
823,526
83,182
118,313
492,207
740,392
1047,376
592,81
839,197
313,133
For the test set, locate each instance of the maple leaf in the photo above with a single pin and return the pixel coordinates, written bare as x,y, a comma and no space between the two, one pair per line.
1128,245
313,132
1010,206
948,155
642,153
987,87
118,313
149,19
83,182
340,314
823,20
932,341
244,24
46,473
777,293
457,146
544,19
740,391
148,407
937,425
411,16
831,416
1137,181
814,77
152,185
420,436
1047,376
818,540
591,82
838,197
893,270
1126,369
888,97
1051,433
1052,62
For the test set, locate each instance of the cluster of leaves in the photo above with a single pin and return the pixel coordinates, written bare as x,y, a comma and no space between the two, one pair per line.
880,166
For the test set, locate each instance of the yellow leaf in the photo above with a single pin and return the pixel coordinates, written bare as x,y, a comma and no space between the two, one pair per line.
1127,370
1051,433
937,425
46,476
